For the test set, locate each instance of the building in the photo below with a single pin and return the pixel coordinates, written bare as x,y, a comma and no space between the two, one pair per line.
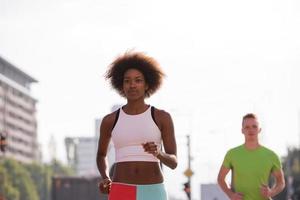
78,188
82,152
18,113
212,192
81,155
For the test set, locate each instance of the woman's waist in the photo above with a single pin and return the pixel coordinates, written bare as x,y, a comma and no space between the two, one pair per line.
137,167
138,180
160,184
138,172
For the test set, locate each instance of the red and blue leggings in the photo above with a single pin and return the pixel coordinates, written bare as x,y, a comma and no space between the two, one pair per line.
123,191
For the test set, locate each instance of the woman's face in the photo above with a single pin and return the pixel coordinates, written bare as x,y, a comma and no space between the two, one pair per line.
134,84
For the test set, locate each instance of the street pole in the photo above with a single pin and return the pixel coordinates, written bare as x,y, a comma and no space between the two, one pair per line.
290,180
188,172
189,164
299,129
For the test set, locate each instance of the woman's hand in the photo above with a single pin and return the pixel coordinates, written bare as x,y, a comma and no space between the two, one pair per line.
105,185
152,148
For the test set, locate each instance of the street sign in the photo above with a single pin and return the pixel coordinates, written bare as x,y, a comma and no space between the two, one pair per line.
188,173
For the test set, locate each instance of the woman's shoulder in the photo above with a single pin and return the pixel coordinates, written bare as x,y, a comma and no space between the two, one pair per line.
110,118
161,113
161,116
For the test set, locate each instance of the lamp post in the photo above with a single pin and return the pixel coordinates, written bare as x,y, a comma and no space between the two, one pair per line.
188,172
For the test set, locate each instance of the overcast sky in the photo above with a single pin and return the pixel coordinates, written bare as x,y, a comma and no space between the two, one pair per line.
222,60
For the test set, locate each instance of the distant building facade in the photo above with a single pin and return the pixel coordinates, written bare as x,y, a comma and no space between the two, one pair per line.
82,152
18,114
81,155
212,192
78,188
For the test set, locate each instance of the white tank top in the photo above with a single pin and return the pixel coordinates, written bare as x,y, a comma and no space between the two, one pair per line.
130,132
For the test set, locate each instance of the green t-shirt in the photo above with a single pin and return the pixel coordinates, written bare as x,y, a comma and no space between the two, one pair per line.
251,169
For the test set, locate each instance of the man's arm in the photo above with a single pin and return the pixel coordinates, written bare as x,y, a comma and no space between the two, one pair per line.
226,189
277,188
221,181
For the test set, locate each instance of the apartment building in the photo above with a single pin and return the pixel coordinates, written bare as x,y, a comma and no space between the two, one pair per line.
18,114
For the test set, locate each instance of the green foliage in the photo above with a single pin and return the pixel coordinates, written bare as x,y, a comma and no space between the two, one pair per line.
6,187
20,181
59,169
41,176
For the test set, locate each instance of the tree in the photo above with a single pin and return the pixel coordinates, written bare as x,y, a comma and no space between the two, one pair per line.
20,179
59,169
41,176
32,181
6,188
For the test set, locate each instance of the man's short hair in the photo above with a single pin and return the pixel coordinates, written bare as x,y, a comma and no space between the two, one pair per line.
249,116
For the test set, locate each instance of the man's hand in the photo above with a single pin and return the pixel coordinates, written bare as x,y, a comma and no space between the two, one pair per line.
265,191
236,196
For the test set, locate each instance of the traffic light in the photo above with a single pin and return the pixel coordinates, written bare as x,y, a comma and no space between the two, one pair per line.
2,143
187,189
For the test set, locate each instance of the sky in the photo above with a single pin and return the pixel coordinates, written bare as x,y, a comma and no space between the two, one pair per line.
222,59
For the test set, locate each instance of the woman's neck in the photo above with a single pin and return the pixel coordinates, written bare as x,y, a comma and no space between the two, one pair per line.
135,107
